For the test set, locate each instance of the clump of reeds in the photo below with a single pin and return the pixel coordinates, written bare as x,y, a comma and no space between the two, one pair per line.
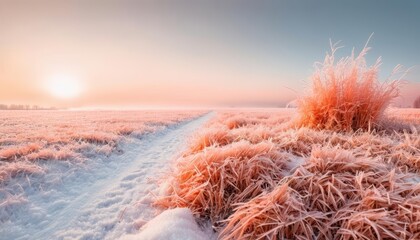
211,182
280,214
346,94
218,135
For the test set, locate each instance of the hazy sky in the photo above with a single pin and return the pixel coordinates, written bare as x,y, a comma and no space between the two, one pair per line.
191,52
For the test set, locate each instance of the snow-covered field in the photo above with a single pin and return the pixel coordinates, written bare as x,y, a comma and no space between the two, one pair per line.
104,197
29,137
229,174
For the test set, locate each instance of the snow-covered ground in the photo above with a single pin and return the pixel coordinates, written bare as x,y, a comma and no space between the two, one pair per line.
105,198
177,223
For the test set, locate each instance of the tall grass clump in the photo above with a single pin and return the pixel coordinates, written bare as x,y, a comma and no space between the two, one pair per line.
346,94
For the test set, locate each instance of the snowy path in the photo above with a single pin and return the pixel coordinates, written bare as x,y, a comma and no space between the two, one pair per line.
102,201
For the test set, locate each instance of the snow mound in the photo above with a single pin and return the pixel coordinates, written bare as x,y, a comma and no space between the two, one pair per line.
172,224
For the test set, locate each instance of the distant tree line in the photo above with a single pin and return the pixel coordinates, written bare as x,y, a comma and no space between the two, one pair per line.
417,102
24,107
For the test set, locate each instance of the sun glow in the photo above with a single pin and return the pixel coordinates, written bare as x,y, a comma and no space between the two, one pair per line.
64,86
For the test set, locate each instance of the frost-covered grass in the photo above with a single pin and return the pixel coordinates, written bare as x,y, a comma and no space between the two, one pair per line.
346,94
255,175
31,136
99,198
401,118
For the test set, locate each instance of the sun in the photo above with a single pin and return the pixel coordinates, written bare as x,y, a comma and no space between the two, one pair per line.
64,86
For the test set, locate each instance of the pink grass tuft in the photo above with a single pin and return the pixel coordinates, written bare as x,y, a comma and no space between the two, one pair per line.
346,95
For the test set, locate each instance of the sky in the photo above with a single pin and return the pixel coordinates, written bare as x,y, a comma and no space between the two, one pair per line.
192,53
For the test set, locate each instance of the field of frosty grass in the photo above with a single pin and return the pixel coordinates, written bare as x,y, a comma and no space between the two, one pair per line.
253,176
31,139
28,137
343,166
245,168
90,194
